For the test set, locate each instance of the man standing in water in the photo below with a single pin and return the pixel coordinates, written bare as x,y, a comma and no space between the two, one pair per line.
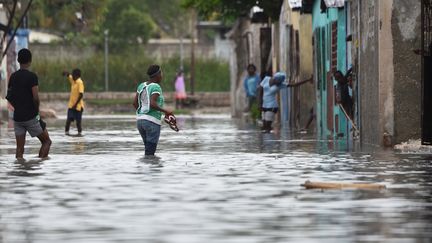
149,102
76,103
23,95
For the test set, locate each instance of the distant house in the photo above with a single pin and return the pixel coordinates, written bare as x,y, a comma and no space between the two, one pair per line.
36,36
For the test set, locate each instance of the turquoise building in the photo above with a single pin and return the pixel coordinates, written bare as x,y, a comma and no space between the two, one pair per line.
331,53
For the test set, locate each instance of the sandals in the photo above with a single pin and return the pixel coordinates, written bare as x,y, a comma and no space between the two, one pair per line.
171,121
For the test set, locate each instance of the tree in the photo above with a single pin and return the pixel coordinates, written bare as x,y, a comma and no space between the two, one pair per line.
232,9
128,23
61,15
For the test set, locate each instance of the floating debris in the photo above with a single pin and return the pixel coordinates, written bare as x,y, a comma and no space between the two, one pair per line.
338,185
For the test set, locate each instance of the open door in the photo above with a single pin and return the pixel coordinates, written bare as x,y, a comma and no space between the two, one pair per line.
265,48
426,72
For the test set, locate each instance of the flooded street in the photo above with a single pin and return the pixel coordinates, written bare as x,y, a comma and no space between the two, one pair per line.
215,181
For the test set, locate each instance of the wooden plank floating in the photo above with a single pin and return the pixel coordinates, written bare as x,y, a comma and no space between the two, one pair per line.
333,185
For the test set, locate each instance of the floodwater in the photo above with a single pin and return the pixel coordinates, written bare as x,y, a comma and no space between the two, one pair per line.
215,181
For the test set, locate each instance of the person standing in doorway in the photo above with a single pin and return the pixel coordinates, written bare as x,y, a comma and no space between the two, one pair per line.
250,84
149,103
342,93
23,95
180,89
76,102
268,90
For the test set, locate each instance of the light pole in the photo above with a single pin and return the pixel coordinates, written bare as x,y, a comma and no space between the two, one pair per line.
106,61
181,52
192,66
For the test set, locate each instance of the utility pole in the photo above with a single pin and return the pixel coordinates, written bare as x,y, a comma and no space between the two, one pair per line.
106,61
192,68
181,52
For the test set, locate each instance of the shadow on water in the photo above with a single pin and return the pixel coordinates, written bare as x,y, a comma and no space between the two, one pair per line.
27,168
152,161
217,180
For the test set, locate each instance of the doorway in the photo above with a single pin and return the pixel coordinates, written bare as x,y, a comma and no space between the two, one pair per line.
426,72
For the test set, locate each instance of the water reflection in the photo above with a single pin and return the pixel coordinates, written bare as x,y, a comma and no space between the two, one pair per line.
217,180
27,168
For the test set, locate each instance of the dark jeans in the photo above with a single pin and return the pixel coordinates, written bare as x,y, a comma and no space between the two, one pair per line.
74,115
150,133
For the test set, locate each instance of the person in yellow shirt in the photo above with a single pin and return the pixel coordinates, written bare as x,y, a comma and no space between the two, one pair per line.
76,102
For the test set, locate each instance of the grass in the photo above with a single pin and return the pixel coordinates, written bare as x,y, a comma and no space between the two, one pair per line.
109,102
126,70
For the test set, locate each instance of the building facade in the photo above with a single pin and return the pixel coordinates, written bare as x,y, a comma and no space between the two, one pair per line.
388,72
293,55
386,45
329,26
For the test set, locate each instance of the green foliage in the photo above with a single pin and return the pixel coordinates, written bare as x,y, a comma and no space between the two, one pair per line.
126,71
59,15
230,9
255,111
129,22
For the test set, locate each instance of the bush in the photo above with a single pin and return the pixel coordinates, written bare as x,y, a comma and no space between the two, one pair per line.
126,71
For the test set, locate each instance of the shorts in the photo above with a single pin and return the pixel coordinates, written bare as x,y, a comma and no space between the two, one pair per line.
180,95
74,115
269,114
34,127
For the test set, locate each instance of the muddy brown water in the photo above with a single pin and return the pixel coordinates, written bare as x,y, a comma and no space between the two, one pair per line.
215,181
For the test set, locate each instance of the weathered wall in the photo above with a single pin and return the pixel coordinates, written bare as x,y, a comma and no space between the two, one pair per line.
386,72
237,62
307,91
48,51
406,30
296,63
245,49
365,37
155,50
163,51
389,73
205,99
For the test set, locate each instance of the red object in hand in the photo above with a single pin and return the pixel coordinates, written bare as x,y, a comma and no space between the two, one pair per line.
171,120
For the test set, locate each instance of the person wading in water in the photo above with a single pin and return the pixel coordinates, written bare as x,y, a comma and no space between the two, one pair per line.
76,102
149,103
268,103
23,95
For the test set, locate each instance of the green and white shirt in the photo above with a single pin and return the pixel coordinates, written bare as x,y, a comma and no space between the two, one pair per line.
144,111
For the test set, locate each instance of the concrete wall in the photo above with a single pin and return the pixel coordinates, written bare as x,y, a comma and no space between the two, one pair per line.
301,99
388,72
62,52
163,50
406,31
245,49
367,69
205,99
